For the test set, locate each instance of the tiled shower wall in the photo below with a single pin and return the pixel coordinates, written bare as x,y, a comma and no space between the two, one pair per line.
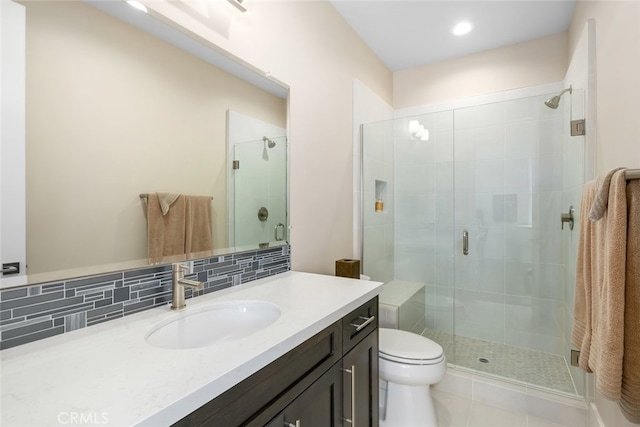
32,313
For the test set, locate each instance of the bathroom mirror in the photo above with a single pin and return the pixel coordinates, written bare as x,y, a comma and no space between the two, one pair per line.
113,112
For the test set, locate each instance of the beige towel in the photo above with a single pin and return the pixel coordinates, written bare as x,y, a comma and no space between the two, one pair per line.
630,399
166,200
198,225
601,200
165,233
581,334
601,268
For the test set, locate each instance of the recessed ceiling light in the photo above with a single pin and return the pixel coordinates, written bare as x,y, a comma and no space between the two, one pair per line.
461,28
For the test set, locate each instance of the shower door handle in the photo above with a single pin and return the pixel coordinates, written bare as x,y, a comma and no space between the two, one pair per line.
279,226
465,242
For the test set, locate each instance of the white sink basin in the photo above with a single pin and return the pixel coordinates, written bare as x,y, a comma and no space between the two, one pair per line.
213,324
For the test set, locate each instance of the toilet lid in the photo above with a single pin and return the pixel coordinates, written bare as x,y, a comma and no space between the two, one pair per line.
407,345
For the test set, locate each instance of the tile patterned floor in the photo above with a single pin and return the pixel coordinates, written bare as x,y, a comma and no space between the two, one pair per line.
533,367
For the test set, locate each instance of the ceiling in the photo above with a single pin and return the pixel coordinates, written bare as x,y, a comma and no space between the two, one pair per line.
408,34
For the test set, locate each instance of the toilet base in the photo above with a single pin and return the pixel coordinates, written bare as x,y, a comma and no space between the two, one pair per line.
408,406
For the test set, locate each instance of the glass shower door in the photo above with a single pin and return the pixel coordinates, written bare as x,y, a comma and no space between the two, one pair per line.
259,192
508,190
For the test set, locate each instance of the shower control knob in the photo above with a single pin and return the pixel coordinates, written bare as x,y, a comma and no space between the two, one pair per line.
263,214
567,217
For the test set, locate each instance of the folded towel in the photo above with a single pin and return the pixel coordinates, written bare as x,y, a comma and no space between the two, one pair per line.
166,200
198,225
600,278
602,195
630,398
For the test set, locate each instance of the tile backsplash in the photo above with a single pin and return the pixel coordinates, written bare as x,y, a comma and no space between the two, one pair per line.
44,310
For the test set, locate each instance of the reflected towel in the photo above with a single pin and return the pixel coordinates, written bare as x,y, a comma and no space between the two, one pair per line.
630,399
600,285
166,200
165,233
198,225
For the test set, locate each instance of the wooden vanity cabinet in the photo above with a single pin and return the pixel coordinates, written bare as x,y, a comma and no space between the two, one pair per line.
360,366
317,406
310,385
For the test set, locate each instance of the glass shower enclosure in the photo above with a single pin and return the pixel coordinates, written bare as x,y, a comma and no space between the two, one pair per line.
259,192
461,220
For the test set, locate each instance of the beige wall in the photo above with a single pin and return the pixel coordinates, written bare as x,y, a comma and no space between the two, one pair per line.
111,113
617,26
618,78
307,45
530,63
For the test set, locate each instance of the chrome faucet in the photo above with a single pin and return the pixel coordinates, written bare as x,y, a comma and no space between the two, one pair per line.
178,284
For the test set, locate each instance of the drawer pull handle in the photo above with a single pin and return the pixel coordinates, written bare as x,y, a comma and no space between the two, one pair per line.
297,424
367,320
352,371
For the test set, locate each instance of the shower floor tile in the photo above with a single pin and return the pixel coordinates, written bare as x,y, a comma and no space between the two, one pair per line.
533,367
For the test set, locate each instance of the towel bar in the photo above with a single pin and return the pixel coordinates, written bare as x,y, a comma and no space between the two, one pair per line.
630,174
146,195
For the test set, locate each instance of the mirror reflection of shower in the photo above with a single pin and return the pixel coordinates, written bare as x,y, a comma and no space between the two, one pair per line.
268,143
555,101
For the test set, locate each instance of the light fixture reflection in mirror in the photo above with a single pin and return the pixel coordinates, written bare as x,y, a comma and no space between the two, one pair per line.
417,131
137,5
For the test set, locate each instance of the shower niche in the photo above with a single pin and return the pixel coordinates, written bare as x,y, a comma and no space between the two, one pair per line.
381,195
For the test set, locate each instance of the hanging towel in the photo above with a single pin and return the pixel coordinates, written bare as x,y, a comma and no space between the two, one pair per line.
198,225
581,333
165,233
601,200
630,398
600,278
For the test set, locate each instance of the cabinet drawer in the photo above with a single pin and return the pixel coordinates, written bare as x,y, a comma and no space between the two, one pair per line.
359,323
260,397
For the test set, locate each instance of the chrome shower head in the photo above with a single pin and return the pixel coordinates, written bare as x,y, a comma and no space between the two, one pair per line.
555,101
269,142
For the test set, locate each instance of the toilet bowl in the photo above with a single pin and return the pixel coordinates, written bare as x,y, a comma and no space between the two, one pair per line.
408,364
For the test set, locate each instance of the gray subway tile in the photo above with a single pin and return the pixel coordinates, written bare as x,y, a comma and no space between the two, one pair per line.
47,306
90,281
4,323
117,297
53,287
14,293
103,310
58,312
145,285
103,302
147,271
154,291
30,301
131,308
25,339
27,329
162,300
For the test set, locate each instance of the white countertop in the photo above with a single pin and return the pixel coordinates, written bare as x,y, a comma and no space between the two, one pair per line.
107,374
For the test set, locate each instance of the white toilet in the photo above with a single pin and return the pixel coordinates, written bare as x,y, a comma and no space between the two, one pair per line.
409,364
